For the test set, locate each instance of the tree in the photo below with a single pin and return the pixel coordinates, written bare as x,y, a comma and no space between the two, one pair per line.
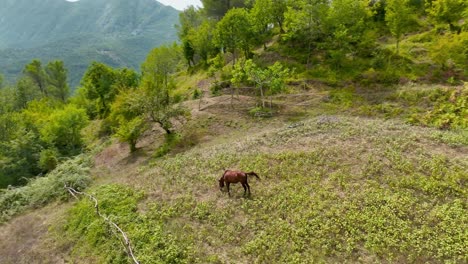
398,16
268,81
35,71
269,12
160,64
234,32
131,131
56,76
202,40
189,20
262,18
218,8
63,129
155,93
25,91
447,12
98,86
306,22
1,81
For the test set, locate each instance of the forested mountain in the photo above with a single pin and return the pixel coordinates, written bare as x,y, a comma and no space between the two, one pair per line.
117,32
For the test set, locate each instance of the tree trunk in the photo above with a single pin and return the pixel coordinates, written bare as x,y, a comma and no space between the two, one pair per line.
133,146
398,46
261,94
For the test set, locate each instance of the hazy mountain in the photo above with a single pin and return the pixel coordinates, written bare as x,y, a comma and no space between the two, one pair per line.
117,32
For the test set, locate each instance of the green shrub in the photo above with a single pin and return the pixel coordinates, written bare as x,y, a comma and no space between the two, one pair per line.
171,141
149,240
40,191
449,112
48,159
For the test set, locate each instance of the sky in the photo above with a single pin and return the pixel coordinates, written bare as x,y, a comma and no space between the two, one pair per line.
177,4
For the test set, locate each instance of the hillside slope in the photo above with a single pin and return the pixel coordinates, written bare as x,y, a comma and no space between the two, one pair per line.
116,32
334,188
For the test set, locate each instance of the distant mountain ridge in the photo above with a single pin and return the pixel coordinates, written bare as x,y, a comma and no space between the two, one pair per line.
117,32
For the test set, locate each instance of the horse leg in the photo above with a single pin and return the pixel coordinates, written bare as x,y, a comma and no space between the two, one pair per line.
248,186
227,185
245,188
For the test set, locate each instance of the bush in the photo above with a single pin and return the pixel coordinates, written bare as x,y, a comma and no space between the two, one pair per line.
48,159
449,112
40,191
150,242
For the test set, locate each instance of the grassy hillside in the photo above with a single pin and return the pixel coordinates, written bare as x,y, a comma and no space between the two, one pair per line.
361,144
119,33
335,188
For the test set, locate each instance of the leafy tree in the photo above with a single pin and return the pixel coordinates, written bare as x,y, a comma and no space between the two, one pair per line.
1,81
63,129
350,17
154,95
262,17
398,15
56,76
125,79
19,158
234,32
189,20
131,131
160,64
35,71
98,87
48,160
202,40
8,120
306,22
268,81
218,8
451,50
447,12
267,12
25,91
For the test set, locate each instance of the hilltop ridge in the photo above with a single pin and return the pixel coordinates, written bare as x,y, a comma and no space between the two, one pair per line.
117,32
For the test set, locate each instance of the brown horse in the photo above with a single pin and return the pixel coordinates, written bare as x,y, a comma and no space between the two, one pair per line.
232,176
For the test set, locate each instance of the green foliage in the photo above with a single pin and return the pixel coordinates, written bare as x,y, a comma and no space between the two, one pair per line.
171,140
35,71
197,94
450,110
63,130
451,50
234,32
264,13
150,241
268,81
56,75
48,159
398,16
344,97
155,95
390,198
98,87
41,191
130,131
218,8
447,12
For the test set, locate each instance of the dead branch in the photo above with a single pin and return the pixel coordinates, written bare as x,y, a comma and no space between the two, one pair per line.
126,241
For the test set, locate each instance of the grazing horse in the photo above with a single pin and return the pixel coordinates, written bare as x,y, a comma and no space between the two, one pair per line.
232,176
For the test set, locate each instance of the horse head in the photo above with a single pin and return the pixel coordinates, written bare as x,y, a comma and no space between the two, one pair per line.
221,184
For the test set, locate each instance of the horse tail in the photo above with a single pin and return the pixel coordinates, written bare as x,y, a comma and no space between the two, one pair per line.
254,174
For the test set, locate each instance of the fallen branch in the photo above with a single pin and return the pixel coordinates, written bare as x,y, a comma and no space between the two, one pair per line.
126,242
